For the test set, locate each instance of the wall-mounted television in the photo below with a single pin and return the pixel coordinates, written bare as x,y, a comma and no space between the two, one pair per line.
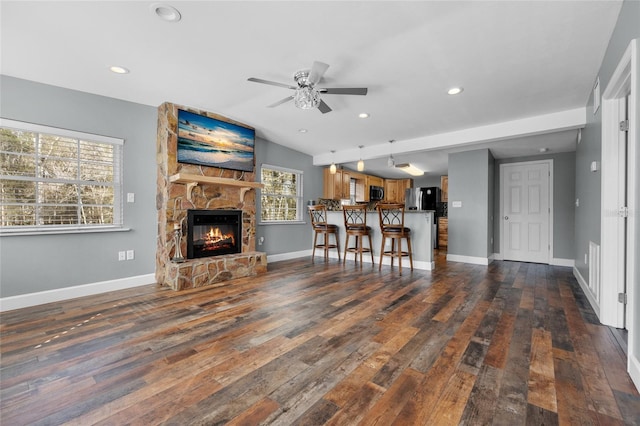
209,142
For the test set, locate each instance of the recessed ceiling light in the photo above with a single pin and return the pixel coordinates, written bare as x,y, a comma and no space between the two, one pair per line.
363,115
166,12
303,130
119,70
455,90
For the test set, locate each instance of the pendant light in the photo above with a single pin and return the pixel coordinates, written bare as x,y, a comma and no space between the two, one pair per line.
391,162
332,167
361,162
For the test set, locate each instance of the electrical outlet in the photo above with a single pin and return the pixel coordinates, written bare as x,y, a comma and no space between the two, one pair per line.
129,254
577,202
260,241
121,255
131,197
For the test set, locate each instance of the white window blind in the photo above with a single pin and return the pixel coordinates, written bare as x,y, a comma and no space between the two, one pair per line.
281,197
57,178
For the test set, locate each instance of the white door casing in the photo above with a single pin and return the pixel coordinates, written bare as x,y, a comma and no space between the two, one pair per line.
525,207
623,83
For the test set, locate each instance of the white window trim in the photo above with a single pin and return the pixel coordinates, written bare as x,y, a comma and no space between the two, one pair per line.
299,213
118,226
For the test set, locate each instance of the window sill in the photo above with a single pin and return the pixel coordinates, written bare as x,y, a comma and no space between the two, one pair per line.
57,231
284,222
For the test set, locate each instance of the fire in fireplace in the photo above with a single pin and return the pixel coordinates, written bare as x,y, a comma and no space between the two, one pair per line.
213,232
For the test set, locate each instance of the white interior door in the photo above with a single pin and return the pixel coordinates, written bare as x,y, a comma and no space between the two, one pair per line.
526,211
623,167
623,84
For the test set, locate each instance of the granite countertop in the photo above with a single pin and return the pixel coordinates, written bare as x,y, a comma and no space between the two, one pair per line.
336,206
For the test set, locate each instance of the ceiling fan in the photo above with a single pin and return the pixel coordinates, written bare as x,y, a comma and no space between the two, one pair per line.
307,95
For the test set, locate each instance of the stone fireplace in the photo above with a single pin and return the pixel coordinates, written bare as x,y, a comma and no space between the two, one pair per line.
212,191
213,233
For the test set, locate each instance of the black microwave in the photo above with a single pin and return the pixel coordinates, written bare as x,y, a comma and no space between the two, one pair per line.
376,193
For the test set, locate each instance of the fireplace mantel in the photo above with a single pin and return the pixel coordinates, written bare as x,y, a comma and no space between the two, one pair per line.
192,181
220,189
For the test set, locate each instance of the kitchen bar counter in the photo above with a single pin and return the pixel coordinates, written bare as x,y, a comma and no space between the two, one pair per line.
421,224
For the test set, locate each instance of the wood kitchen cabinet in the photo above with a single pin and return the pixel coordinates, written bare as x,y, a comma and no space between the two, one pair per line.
336,186
443,232
444,188
390,190
374,181
394,189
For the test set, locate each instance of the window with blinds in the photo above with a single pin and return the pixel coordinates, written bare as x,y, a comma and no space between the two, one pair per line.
57,178
281,197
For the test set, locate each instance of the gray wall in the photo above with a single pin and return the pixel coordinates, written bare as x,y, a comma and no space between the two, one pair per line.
588,190
426,181
288,237
44,262
469,182
564,172
493,194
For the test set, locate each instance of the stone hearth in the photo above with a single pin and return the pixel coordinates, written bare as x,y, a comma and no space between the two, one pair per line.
207,188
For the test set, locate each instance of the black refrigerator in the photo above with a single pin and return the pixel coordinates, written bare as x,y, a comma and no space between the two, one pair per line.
430,198
430,201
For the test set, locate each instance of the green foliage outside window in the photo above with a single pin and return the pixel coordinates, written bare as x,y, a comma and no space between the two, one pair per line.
47,179
281,196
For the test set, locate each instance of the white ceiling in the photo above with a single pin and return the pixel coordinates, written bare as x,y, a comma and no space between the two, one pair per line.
527,68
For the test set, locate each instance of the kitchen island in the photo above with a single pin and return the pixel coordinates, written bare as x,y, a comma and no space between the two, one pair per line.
422,235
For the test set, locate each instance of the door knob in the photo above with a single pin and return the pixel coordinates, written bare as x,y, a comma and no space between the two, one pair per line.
506,218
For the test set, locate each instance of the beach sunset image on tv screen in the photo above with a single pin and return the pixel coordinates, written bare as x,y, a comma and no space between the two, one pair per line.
210,142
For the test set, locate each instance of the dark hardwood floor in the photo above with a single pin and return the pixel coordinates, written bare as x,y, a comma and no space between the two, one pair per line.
321,343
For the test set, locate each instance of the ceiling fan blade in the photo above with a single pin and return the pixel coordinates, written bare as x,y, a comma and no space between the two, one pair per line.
323,107
273,83
281,101
344,91
317,71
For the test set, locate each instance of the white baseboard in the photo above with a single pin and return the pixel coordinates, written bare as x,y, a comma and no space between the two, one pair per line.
562,262
497,256
287,256
585,289
634,370
469,259
48,296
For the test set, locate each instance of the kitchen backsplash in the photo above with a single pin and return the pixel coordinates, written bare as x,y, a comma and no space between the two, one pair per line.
442,209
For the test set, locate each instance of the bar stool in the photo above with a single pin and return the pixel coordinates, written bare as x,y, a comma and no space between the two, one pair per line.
355,223
392,226
320,226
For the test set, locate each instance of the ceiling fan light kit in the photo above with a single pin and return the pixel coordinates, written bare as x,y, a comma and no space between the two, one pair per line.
306,98
307,95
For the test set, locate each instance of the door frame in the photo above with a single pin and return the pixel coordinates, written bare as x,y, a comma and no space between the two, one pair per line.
623,82
502,234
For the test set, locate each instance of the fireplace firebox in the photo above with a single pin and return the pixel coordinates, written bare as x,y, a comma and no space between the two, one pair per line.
213,233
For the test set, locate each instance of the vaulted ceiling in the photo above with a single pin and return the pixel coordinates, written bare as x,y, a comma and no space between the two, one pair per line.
527,68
